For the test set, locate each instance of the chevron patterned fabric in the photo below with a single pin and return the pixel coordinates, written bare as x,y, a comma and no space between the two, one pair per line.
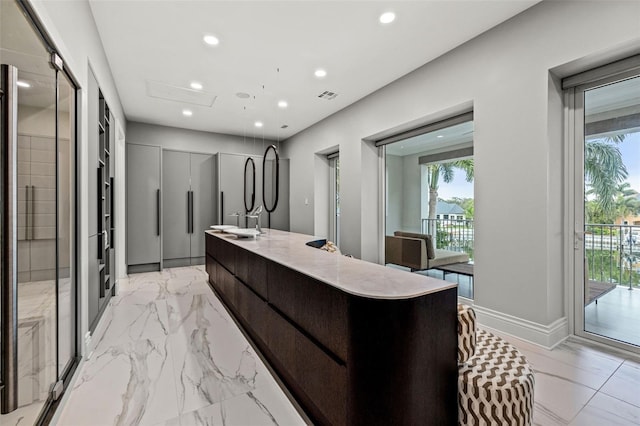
466,333
495,386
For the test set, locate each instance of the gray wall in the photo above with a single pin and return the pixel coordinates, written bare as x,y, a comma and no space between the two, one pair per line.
407,204
395,194
411,193
193,140
518,140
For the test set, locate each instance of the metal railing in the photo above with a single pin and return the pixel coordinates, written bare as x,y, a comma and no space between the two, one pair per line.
451,234
612,253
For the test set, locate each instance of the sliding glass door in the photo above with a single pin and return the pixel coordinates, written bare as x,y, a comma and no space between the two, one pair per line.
38,300
607,146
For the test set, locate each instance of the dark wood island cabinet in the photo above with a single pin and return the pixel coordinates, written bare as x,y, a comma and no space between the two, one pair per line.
356,343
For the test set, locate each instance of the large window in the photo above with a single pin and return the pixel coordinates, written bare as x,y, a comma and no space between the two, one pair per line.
429,191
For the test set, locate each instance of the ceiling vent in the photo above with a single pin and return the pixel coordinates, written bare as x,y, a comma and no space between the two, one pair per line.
179,94
327,95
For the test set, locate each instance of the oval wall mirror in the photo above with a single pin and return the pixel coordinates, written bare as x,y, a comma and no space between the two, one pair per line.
249,184
270,178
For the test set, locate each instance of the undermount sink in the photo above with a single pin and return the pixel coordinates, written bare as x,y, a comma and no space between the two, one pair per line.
243,232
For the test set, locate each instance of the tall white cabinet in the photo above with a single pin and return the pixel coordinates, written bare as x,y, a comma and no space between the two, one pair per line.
188,206
144,221
173,196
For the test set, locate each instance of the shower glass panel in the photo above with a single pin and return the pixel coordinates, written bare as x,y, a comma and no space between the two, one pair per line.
66,220
41,334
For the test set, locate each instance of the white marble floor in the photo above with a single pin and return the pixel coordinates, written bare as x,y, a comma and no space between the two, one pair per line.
171,355
582,384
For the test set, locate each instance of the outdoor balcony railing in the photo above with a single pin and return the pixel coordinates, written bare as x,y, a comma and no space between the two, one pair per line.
451,234
612,253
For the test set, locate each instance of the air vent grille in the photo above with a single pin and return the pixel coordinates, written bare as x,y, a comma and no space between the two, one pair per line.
327,95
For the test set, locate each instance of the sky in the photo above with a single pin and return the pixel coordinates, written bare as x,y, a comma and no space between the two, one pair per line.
459,187
630,150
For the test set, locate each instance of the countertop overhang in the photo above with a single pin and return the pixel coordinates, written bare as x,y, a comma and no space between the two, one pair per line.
353,276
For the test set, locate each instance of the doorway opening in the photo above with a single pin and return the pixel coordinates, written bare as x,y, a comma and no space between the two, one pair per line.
429,196
607,206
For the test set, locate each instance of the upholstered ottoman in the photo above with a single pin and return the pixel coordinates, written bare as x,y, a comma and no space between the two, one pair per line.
466,333
495,385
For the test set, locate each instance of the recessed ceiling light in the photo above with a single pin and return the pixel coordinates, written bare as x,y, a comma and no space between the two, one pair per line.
211,40
440,136
258,124
387,17
196,86
283,104
320,73
23,83
187,112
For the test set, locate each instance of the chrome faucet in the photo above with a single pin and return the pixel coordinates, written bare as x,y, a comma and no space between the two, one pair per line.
256,215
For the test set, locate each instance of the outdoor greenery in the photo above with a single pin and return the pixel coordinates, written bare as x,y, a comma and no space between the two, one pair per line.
608,196
446,171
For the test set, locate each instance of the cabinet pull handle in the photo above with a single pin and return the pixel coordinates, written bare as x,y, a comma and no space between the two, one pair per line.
113,211
189,212
191,192
27,215
221,208
32,210
158,212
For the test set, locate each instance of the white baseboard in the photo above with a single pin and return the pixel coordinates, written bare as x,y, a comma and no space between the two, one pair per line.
98,333
547,336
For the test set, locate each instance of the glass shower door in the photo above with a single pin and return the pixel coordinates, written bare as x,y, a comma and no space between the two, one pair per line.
37,202
66,224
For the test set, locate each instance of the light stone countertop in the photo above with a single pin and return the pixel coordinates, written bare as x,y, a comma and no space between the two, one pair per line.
350,275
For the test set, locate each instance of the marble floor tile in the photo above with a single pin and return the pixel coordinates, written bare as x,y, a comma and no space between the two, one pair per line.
148,282
258,407
213,360
592,371
23,416
558,397
605,410
197,310
625,383
132,317
172,355
131,383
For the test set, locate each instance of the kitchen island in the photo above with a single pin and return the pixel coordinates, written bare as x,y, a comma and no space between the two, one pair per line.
354,342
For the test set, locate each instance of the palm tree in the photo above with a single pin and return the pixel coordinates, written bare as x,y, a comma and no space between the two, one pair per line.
446,170
604,170
626,202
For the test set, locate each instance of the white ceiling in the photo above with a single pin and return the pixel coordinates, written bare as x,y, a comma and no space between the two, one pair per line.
454,137
159,44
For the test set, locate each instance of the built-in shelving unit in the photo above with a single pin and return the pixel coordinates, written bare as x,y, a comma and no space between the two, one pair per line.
105,198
